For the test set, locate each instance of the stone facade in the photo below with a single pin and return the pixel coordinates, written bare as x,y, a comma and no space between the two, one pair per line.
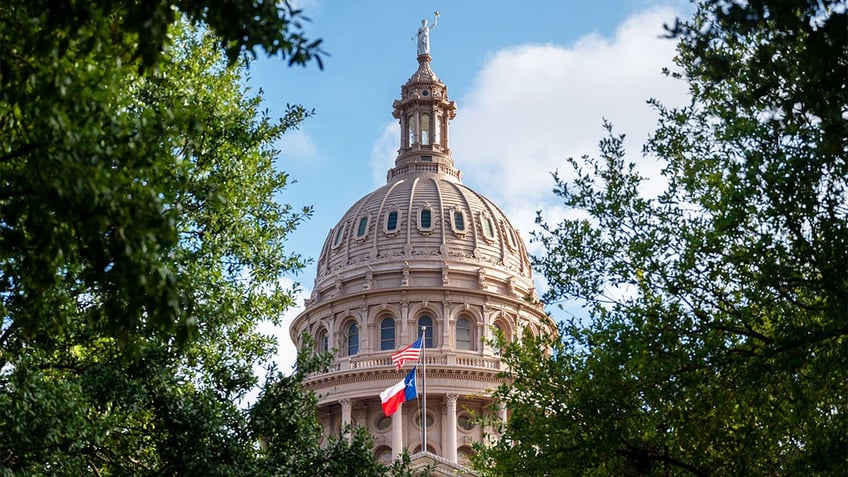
423,250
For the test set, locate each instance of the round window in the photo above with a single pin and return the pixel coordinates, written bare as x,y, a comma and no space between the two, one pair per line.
464,422
384,422
429,420
425,93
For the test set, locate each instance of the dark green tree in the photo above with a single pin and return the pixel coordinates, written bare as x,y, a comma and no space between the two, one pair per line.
142,240
716,341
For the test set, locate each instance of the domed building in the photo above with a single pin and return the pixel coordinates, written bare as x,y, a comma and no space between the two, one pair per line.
424,252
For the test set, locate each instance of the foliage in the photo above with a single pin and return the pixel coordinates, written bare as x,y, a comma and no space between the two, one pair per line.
288,440
140,30
717,335
142,242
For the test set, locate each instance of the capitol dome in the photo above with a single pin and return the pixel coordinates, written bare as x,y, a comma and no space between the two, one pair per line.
422,256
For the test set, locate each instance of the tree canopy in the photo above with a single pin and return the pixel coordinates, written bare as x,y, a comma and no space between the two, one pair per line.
143,241
716,341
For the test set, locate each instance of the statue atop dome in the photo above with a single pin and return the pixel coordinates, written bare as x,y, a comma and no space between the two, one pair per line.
424,34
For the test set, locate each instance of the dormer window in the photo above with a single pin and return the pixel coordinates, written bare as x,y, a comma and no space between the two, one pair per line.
458,222
488,227
362,228
337,240
425,219
513,242
392,222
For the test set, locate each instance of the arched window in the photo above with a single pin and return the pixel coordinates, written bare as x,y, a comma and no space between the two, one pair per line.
387,334
322,342
463,334
425,129
383,454
437,130
463,455
410,121
500,330
352,339
427,322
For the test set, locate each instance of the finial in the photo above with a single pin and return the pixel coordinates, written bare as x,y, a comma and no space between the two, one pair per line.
424,34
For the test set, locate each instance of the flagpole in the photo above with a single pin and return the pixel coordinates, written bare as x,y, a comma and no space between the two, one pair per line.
424,386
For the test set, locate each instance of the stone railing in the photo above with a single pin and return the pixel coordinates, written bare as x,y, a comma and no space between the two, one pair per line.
418,167
436,359
370,363
474,362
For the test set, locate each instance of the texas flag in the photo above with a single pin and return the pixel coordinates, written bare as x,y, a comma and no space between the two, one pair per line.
401,392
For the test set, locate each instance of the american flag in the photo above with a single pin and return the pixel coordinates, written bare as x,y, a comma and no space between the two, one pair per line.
409,353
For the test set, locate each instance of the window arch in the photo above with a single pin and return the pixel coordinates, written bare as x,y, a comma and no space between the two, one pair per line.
463,334
322,342
387,334
428,332
430,449
464,455
383,454
352,337
500,328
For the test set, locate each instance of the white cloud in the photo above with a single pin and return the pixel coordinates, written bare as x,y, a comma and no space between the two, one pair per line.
297,144
532,106
384,152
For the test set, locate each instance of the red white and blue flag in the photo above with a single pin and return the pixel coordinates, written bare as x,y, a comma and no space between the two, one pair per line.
409,353
399,393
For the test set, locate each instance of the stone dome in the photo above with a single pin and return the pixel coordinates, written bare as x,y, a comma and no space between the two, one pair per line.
420,218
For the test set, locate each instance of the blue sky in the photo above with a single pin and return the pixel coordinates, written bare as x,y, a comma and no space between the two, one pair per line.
532,83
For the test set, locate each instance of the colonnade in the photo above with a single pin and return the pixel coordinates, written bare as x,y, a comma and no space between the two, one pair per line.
447,440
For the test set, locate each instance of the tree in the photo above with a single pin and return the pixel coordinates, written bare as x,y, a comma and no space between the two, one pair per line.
716,341
142,241
102,221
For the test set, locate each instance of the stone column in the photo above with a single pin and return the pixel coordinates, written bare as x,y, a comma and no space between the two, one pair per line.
346,406
450,445
404,317
359,414
444,423
397,432
449,324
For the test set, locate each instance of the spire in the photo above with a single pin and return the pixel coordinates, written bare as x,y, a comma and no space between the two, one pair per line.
423,112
